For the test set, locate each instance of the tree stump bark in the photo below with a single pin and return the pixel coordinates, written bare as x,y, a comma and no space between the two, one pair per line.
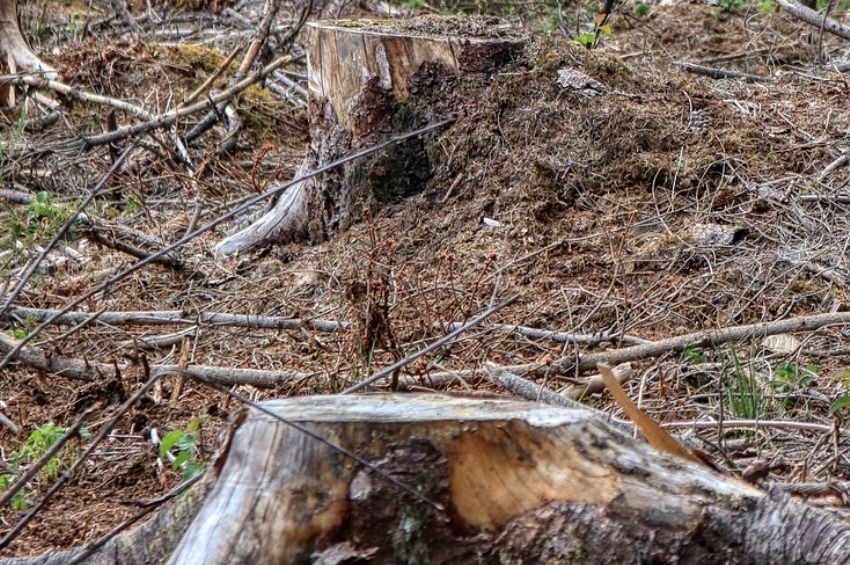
15,51
520,483
368,81
485,481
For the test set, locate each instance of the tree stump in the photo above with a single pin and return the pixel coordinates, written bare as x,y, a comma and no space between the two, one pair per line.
494,481
15,51
368,81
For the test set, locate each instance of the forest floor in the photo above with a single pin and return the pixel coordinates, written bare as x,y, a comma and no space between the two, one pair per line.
655,203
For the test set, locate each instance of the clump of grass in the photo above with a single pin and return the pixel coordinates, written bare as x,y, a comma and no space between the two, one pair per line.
743,395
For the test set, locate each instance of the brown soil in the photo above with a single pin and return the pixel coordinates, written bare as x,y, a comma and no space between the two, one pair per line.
594,199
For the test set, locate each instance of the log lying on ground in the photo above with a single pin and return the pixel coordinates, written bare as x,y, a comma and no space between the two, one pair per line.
367,82
491,480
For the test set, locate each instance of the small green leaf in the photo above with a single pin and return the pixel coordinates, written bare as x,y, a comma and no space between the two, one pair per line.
586,39
192,470
840,403
181,458
169,441
694,355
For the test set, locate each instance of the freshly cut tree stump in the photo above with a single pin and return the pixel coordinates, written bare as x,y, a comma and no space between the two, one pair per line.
368,81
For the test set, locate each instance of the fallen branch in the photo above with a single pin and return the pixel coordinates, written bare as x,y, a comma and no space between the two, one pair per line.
814,18
100,238
560,337
39,81
579,389
531,391
171,317
749,424
87,371
713,72
695,339
171,117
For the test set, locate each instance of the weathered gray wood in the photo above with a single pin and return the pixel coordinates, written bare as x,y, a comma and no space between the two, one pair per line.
500,481
13,45
526,482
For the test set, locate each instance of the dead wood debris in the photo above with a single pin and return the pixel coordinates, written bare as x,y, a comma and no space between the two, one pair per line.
593,200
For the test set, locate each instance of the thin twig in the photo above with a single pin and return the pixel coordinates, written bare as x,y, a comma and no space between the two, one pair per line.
68,474
448,338
57,237
43,460
220,220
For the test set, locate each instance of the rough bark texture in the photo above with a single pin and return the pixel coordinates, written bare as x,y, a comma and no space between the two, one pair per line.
516,483
368,82
14,46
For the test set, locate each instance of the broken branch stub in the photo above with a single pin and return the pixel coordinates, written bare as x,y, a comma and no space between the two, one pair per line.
13,45
368,82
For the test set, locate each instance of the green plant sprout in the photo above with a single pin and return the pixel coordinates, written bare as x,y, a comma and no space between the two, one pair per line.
36,445
181,448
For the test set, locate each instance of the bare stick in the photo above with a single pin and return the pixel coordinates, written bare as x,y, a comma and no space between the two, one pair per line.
700,339
171,117
220,220
530,391
560,337
814,18
714,72
591,384
435,345
57,237
38,81
750,424
79,369
68,474
172,317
